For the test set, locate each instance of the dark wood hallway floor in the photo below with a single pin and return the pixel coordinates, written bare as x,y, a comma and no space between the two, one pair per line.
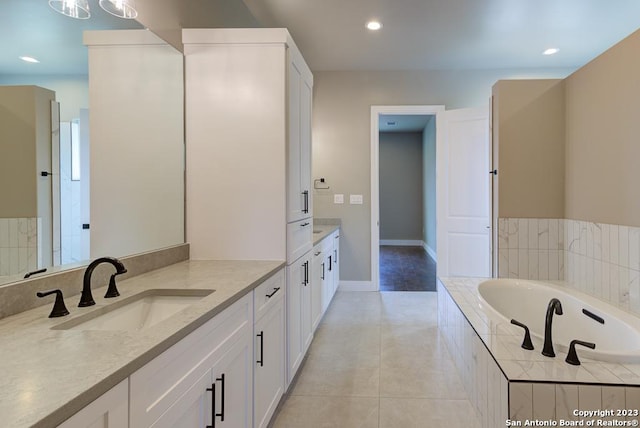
406,269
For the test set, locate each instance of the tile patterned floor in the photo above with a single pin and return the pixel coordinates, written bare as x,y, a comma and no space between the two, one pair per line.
377,360
406,269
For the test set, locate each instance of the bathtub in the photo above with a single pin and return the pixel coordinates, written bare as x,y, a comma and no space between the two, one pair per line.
617,340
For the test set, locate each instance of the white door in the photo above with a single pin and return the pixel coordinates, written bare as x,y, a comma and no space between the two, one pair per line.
463,187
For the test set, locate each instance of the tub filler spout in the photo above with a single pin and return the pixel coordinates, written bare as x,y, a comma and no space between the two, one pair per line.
554,306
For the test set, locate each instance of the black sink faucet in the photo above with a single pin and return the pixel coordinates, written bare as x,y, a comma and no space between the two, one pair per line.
86,299
554,306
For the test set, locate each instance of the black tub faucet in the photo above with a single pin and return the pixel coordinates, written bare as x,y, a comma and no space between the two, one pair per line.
554,306
86,299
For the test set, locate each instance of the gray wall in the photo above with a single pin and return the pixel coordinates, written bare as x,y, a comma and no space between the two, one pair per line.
401,188
342,132
429,183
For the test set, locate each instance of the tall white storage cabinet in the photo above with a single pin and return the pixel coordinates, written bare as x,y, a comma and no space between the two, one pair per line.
248,138
248,143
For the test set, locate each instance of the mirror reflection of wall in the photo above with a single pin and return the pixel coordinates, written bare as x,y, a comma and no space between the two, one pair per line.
74,205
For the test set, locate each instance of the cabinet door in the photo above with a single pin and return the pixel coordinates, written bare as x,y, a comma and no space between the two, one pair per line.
193,409
232,386
269,363
306,101
317,287
111,410
335,270
298,314
295,196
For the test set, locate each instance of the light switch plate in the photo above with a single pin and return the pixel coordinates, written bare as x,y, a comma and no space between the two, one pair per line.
355,199
338,198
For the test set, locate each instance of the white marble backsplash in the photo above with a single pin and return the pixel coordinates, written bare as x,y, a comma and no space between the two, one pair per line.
19,245
602,260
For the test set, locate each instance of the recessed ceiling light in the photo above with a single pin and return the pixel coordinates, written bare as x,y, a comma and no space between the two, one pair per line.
374,25
28,59
551,51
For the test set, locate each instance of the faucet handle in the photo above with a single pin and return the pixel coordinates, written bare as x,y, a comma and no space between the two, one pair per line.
112,291
572,356
59,309
526,343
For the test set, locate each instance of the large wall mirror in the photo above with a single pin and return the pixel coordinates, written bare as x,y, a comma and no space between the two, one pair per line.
47,196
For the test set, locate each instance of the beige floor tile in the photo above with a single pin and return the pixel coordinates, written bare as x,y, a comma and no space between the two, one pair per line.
426,413
346,340
415,308
433,379
338,377
328,412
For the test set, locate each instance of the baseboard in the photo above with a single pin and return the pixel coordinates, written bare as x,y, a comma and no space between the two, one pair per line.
356,286
430,251
402,242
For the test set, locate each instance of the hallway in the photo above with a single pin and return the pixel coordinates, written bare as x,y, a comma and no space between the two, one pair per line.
406,269
377,360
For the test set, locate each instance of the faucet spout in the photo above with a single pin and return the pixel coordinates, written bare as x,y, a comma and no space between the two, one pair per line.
554,307
86,299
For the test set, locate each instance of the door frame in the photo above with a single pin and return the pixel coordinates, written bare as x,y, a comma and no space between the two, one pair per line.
376,111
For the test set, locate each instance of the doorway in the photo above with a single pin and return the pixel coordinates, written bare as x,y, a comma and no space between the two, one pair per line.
463,194
407,202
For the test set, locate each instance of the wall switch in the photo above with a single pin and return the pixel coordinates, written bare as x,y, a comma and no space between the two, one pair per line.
338,198
355,199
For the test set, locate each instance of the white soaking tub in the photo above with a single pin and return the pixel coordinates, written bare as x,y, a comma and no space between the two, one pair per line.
617,339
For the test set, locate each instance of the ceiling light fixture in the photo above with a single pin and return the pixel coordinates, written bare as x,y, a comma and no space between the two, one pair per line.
78,9
551,51
29,59
374,25
120,8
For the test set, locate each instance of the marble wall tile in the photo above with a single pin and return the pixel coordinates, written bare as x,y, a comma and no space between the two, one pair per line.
512,231
544,401
614,244
632,396
566,401
533,233
613,398
602,260
634,248
523,233
520,401
589,397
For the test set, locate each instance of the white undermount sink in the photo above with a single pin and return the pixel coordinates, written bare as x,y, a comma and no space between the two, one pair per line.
136,312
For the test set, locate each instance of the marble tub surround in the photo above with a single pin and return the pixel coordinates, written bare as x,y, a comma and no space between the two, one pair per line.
602,260
48,375
21,296
536,385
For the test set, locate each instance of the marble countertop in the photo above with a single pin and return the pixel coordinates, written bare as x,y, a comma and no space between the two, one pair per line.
321,231
503,340
48,375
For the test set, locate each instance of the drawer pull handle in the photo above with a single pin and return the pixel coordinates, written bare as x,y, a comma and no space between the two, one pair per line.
213,405
221,414
275,290
305,194
318,253
330,263
305,224
322,271
261,360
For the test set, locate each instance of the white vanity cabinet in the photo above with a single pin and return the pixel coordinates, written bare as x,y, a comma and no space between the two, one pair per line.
207,375
269,349
318,284
111,410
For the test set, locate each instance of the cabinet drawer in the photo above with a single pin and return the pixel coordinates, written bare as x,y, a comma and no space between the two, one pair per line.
267,294
299,239
160,383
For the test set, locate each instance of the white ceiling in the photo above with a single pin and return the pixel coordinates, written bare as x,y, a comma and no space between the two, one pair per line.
32,28
450,34
416,34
